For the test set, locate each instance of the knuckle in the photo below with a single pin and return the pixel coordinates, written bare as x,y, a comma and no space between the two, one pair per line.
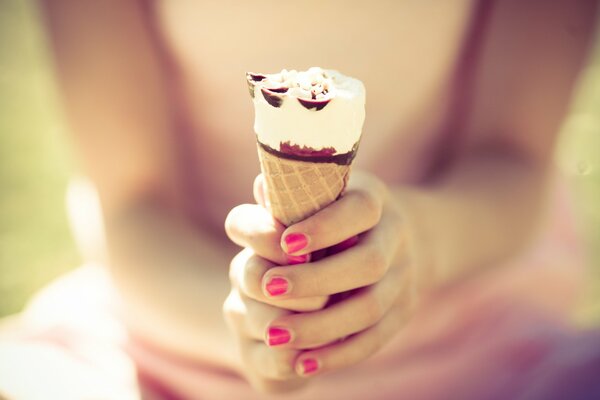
252,271
374,309
230,221
238,264
394,218
227,307
369,204
232,274
251,278
285,364
377,339
255,327
231,309
313,225
280,364
233,269
377,263
260,316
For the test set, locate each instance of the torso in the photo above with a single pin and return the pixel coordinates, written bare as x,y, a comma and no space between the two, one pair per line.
405,52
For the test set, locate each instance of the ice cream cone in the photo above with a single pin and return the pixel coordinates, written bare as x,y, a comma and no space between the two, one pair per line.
296,189
308,126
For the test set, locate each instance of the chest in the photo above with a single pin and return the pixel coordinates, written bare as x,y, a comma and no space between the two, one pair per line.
403,51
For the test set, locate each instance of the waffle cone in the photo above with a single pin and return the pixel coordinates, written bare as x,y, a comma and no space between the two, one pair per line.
296,190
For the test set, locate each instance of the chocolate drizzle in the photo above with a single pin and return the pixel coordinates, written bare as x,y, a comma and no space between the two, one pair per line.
272,97
252,78
305,151
313,95
316,105
340,159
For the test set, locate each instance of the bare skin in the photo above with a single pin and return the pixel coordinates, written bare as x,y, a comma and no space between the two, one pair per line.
135,79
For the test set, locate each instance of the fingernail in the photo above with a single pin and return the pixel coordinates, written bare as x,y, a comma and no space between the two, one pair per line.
277,336
277,286
292,260
308,366
295,242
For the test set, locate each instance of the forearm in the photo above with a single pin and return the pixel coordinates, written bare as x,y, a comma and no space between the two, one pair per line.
482,211
515,88
173,279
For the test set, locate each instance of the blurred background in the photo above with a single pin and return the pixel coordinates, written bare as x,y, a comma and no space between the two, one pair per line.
36,164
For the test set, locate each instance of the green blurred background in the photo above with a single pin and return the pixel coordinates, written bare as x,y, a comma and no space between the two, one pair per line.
35,164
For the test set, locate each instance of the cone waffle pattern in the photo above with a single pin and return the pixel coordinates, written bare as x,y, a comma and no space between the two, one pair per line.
298,189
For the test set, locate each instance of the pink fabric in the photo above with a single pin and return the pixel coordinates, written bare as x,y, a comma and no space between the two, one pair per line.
478,339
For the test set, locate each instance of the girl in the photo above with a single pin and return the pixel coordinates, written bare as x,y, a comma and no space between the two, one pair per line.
446,294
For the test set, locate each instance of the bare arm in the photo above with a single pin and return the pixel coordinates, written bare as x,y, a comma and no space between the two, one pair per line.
172,275
484,206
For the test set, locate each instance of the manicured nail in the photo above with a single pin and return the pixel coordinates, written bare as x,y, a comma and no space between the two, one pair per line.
295,242
292,260
277,286
308,366
277,336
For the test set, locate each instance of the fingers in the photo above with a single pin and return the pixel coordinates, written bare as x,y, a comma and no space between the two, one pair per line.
351,350
246,273
356,212
361,234
270,363
359,266
268,370
280,359
250,318
286,364
361,310
251,225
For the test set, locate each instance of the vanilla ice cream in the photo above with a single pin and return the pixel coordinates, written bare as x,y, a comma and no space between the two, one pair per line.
314,112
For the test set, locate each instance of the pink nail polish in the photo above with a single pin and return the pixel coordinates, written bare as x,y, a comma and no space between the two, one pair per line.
309,366
277,336
295,242
293,260
277,286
